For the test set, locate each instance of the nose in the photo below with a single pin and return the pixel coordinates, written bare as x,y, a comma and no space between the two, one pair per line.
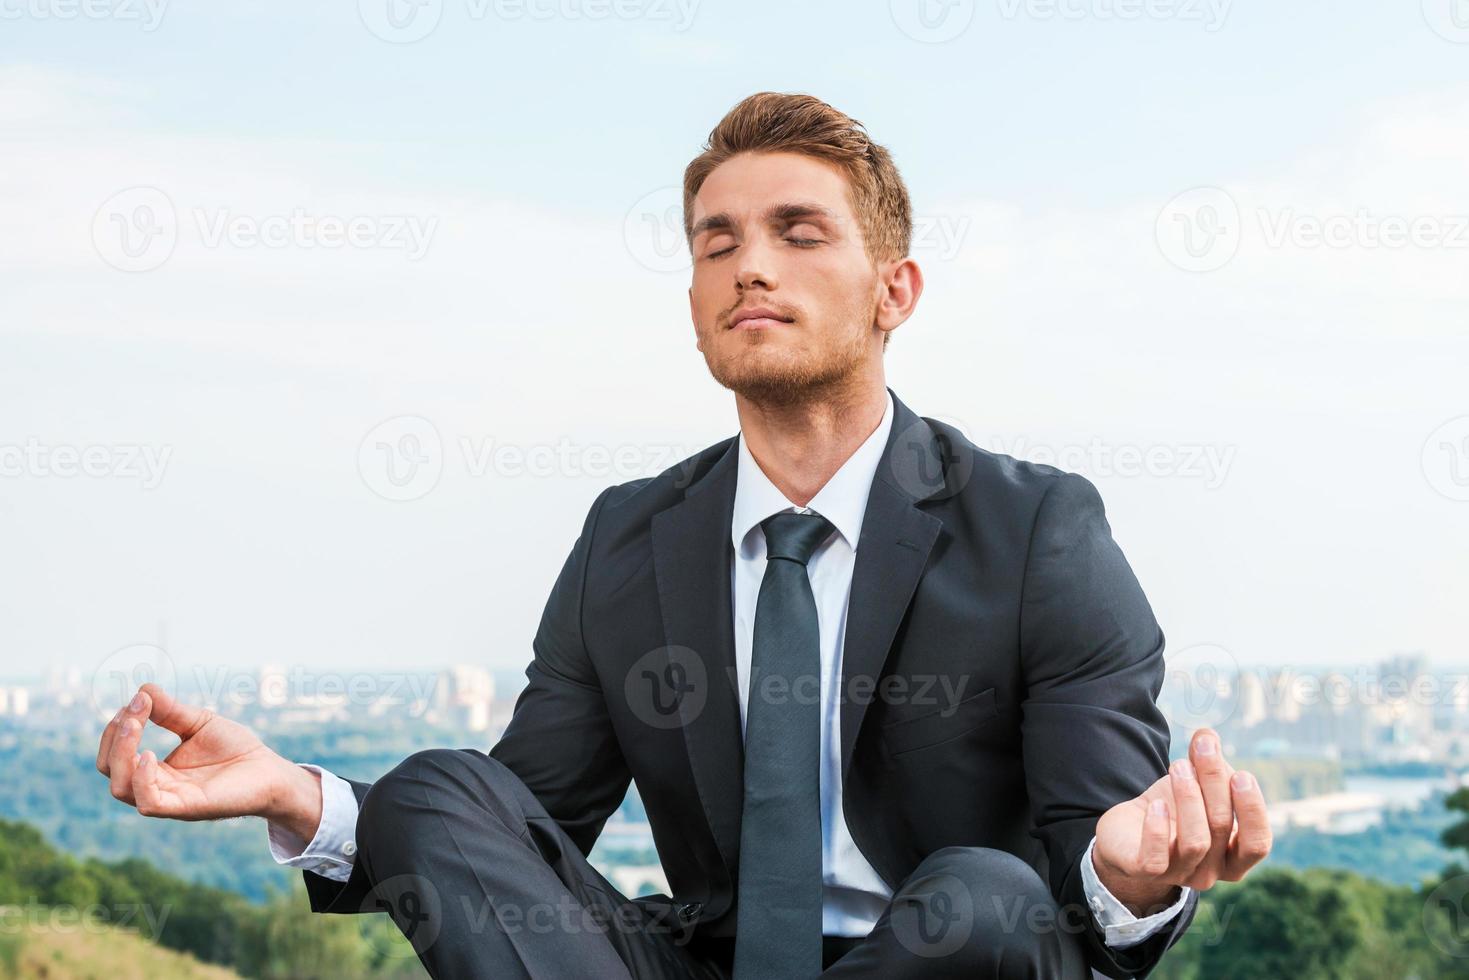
755,268
749,278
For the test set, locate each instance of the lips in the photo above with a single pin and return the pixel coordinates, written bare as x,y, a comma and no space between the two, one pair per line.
756,317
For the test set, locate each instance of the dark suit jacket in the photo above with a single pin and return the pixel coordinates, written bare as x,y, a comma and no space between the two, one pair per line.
970,565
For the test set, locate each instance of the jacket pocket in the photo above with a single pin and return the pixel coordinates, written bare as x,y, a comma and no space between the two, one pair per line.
941,724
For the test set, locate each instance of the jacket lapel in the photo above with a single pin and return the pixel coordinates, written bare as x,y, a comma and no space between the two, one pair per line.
892,551
692,555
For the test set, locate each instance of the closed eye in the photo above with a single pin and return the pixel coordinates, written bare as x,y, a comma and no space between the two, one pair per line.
799,242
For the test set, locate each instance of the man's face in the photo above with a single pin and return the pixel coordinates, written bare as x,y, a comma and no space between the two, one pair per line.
776,231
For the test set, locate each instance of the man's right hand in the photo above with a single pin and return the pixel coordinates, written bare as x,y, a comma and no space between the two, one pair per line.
219,768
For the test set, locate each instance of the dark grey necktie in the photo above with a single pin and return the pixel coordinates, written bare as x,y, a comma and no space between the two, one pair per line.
778,926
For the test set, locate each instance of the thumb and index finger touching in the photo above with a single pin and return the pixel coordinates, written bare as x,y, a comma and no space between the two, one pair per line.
151,703
169,712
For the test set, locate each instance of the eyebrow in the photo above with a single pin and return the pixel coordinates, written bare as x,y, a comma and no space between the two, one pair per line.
782,213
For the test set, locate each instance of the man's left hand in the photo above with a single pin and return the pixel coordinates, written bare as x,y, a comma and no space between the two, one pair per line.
1200,823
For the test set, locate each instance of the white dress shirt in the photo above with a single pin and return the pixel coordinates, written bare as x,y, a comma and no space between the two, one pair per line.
853,894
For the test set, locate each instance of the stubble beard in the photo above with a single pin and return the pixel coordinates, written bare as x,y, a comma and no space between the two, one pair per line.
792,374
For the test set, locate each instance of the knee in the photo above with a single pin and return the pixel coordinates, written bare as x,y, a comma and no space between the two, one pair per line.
981,907
988,869
416,794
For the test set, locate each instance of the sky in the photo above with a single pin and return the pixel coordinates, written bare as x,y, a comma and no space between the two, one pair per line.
321,325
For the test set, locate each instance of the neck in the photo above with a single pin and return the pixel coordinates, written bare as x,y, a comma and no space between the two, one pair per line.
799,445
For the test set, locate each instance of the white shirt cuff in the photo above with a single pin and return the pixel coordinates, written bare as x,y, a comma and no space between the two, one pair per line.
1120,926
333,850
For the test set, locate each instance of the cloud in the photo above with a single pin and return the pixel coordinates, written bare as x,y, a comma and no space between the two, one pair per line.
1324,238
1322,370
36,100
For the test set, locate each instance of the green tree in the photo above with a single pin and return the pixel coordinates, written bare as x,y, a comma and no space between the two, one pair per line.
284,941
1456,836
1319,924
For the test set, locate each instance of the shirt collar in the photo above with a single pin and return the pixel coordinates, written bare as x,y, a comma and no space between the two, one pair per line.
843,500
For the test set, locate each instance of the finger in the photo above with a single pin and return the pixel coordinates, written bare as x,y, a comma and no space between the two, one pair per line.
137,706
104,746
1193,838
146,791
171,713
1157,842
1161,788
1252,839
1213,775
121,760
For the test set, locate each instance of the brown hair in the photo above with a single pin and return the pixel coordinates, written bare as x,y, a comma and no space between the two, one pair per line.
777,121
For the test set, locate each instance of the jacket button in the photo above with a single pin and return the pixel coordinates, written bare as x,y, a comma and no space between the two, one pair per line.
689,910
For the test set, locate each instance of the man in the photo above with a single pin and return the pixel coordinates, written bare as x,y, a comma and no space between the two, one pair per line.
889,699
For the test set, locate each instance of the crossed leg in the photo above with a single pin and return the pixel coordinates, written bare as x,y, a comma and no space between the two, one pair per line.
484,883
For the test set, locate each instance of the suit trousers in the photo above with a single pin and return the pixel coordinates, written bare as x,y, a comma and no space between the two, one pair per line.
484,883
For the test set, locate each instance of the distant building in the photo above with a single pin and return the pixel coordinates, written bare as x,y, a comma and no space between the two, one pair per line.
1403,707
274,688
63,680
1332,813
15,702
464,696
1253,705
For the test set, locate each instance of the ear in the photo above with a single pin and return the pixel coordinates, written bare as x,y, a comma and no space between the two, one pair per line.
698,342
902,285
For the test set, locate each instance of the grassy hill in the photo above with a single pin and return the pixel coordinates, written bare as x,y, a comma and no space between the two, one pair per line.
61,917
95,953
